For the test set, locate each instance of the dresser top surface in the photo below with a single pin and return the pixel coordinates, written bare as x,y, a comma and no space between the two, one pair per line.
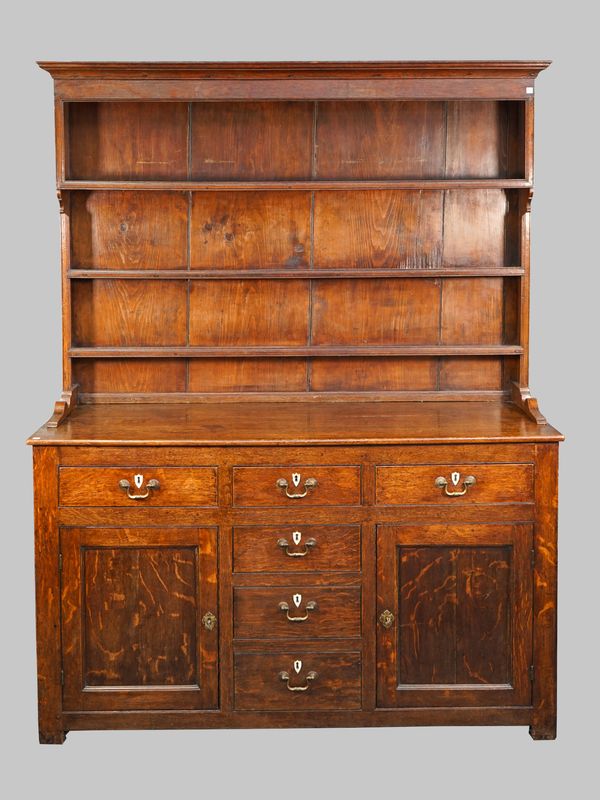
287,423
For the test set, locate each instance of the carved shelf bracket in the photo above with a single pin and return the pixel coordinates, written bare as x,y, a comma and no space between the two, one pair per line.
63,407
521,396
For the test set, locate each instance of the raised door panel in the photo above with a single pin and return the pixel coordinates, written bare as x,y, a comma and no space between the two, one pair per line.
460,630
133,602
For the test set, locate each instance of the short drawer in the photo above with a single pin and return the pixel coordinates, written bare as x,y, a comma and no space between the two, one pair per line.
296,612
451,483
296,486
297,681
301,548
147,486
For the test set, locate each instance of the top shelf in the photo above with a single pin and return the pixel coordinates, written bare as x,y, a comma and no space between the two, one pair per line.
295,185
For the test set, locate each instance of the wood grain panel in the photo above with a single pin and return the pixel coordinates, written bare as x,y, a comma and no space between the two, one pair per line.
244,230
477,139
252,141
380,139
258,684
99,486
496,483
474,228
252,313
129,313
472,311
373,374
129,230
482,374
128,141
130,375
377,311
378,229
335,548
247,375
257,614
256,486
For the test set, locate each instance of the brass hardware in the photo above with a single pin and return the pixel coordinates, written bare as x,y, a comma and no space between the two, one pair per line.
139,482
311,676
387,618
296,538
442,483
209,621
310,606
309,483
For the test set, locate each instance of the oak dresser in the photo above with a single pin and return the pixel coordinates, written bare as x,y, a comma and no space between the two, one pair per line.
296,476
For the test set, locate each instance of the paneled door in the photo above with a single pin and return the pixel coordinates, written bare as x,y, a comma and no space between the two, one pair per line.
454,615
139,618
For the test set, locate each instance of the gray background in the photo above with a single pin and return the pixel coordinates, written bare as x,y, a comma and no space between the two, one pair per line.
455,762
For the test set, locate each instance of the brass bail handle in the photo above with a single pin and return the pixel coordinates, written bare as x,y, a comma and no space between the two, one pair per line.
126,486
285,546
311,676
442,483
310,606
309,483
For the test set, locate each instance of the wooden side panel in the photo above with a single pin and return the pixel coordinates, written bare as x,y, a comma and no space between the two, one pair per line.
129,313
472,311
252,313
380,140
247,375
477,145
128,141
129,230
246,230
373,374
379,229
376,311
130,375
474,228
251,141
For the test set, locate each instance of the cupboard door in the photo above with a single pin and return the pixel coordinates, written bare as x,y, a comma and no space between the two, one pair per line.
136,626
460,596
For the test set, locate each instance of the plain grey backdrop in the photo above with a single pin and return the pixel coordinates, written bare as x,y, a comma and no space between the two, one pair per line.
454,762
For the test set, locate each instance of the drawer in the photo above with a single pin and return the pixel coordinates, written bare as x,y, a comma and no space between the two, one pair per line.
296,612
301,548
102,486
296,486
297,681
494,483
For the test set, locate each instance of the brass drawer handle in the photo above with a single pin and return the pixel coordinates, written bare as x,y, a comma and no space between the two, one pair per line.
297,598
309,483
311,676
139,482
296,537
442,483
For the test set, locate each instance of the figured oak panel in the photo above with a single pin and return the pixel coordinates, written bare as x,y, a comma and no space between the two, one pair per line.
246,230
380,139
247,375
472,311
128,141
257,613
253,313
407,311
129,313
129,230
477,144
257,549
130,375
258,683
472,374
373,374
378,229
251,141
475,224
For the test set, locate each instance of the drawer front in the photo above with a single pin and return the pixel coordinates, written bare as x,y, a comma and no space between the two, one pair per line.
293,486
301,548
494,483
102,486
296,612
294,681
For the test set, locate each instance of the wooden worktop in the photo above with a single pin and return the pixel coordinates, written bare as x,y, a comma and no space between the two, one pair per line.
257,423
